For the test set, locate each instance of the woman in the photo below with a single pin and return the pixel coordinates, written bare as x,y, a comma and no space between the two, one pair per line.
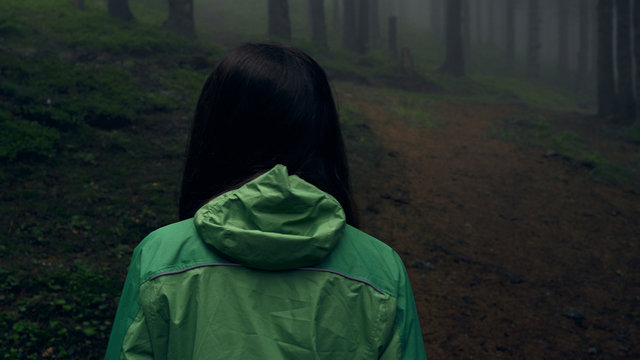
263,264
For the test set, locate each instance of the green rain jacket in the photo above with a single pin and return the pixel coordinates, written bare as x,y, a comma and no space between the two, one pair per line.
267,271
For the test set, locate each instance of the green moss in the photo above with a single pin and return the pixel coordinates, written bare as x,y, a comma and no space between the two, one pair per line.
26,139
632,133
536,131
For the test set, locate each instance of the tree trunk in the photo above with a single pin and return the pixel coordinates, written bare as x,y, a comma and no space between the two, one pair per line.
349,28
362,35
376,37
318,24
436,17
335,21
563,38
492,22
279,26
479,20
466,26
510,30
393,37
403,10
606,83
78,4
636,40
626,101
181,18
533,39
454,59
119,9
583,45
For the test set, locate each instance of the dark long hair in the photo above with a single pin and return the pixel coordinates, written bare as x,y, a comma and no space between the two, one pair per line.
265,104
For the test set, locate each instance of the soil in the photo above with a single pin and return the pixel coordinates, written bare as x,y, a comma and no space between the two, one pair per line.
512,253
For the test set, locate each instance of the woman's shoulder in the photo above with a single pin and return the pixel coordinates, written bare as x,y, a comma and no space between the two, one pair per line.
172,247
364,257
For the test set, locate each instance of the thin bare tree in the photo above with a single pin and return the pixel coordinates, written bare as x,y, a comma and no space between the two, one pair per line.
318,23
180,19
454,54
119,9
279,23
606,84
624,56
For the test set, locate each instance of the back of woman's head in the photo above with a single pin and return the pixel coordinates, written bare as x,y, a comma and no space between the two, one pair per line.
263,105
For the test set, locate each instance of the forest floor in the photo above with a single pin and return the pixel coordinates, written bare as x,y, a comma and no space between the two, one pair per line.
513,251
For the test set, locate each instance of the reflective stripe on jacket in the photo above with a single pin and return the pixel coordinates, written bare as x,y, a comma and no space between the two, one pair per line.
266,271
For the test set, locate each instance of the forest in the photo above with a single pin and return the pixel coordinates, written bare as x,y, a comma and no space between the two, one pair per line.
494,144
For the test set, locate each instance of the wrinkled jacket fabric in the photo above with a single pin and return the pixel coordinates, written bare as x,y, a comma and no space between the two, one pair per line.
267,271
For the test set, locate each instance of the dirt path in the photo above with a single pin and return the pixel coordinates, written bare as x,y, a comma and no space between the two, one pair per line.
511,254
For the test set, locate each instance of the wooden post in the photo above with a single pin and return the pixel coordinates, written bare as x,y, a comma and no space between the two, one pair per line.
407,61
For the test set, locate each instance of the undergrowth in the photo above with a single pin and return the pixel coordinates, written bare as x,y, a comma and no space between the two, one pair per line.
88,106
536,131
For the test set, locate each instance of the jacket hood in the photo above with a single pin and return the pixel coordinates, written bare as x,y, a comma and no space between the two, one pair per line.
273,222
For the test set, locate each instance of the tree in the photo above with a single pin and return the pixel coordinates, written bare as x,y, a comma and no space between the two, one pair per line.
636,41
466,26
393,37
336,15
583,44
606,83
119,9
362,34
349,28
533,39
180,19
435,20
510,32
376,36
78,4
626,101
563,38
279,26
318,24
492,22
479,20
454,59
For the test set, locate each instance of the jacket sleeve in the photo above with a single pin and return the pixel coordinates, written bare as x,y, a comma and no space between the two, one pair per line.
406,342
129,324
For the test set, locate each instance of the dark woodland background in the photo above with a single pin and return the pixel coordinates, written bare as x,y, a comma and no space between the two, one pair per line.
495,144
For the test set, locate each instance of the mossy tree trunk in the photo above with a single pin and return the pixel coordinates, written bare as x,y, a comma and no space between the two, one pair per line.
180,19
279,22
119,9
